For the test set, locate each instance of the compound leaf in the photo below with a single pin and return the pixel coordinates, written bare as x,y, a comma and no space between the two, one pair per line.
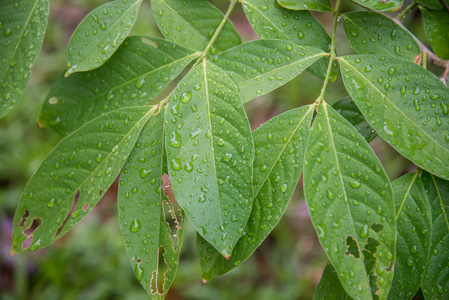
260,66
349,110
271,21
151,224
405,104
374,33
414,224
210,153
351,205
99,35
74,176
436,280
140,69
279,147
318,5
192,23
22,25
436,26
381,5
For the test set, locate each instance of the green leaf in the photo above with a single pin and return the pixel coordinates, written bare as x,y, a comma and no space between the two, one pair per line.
405,104
374,33
73,177
99,35
210,153
151,224
22,29
279,147
351,205
349,110
436,26
318,5
258,67
436,281
414,225
432,4
192,23
271,21
139,70
329,286
381,5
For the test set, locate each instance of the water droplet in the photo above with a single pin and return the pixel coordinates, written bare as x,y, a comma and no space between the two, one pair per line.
185,97
176,164
135,225
364,231
175,140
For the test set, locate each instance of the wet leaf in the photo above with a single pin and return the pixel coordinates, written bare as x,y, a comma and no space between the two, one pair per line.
151,224
374,33
349,110
329,286
381,5
271,21
436,25
432,4
99,35
405,104
351,205
279,147
436,280
192,23
258,67
414,224
318,5
140,69
74,176
210,153
22,29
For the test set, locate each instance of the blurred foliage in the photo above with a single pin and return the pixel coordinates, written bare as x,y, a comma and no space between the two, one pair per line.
90,262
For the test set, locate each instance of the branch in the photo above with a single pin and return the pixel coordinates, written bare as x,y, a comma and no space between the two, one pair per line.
446,7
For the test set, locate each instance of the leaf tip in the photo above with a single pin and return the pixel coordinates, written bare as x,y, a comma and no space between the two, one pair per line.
11,253
203,281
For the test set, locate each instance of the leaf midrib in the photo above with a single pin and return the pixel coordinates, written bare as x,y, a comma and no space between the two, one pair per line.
440,200
393,104
407,192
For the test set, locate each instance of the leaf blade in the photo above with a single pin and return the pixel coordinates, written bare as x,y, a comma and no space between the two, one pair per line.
140,69
317,5
436,26
71,180
406,110
111,21
379,5
366,199
210,153
21,39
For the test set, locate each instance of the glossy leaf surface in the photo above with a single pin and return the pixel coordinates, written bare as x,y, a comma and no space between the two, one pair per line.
22,29
210,153
279,149
349,110
271,21
351,204
374,33
329,286
405,104
139,70
381,5
99,35
151,224
192,23
260,66
436,25
436,280
318,5
414,229
432,4
74,176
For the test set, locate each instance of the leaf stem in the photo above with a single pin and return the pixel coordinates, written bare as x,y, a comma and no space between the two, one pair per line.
407,10
217,32
332,55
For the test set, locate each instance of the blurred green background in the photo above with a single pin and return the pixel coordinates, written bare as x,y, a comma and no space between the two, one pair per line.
90,261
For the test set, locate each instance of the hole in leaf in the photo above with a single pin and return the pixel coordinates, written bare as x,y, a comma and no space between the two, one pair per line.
53,100
368,254
86,206
35,223
139,260
158,275
150,42
352,247
377,227
74,203
172,213
24,218
27,243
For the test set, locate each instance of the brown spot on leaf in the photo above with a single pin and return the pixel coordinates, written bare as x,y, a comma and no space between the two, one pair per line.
85,206
100,192
150,42
53,100
24,218
203,281
74,203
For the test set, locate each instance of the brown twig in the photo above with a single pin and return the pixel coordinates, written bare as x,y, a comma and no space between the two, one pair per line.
446,7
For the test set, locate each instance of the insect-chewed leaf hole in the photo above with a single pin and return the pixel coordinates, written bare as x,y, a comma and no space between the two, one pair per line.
35,223
24,218
352,247
377,227
150,42
74,203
